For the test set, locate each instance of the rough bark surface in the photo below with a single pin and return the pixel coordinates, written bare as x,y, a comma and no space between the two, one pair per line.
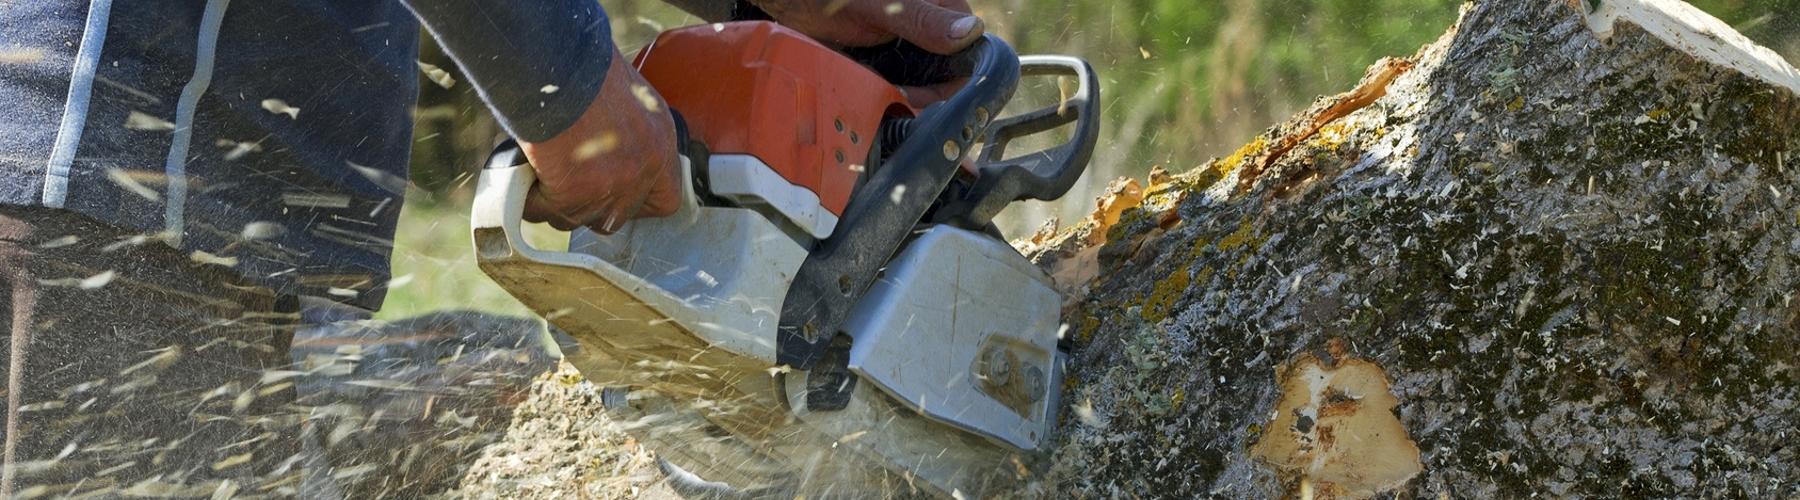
1575,260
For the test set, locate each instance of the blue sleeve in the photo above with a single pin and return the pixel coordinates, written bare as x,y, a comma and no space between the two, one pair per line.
537,63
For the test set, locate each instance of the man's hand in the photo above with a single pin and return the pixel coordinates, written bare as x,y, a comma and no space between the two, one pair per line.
617,162
941,26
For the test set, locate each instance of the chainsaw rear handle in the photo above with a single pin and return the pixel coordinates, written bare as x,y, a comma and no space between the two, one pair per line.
881,214
505,185
1039,175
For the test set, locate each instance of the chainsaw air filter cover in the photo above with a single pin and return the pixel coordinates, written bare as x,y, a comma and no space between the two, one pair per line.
767,91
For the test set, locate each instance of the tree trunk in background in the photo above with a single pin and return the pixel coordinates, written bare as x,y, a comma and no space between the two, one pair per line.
1572,254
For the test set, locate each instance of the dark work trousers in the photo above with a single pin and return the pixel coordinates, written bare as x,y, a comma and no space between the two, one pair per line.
134,370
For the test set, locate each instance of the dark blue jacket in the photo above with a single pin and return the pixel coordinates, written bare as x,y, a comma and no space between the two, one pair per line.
272,132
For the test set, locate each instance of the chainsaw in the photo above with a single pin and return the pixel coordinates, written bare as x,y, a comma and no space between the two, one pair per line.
831,312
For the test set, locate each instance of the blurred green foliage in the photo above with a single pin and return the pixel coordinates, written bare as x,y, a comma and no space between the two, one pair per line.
1183,80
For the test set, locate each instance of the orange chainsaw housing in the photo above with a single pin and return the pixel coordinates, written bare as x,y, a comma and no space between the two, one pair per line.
758,88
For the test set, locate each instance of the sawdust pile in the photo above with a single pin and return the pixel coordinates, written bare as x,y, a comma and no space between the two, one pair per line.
562,445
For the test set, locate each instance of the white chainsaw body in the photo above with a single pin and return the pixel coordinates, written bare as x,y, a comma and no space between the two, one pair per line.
963,329
844,324
960,329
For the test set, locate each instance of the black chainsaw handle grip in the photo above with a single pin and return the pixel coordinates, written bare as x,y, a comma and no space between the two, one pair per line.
506,154
1039,175
882,213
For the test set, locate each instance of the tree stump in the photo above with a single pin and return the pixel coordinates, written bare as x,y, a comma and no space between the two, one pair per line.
1567,239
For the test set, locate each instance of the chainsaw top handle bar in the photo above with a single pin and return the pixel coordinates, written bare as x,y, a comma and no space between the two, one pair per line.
1045,174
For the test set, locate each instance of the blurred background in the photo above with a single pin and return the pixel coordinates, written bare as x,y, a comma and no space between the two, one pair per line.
1182,81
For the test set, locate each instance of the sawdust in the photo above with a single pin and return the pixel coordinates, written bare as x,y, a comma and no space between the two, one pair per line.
561,444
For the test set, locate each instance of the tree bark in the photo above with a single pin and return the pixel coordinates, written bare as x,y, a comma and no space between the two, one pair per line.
1568,239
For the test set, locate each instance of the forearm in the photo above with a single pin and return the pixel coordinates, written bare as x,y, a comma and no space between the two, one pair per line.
538,64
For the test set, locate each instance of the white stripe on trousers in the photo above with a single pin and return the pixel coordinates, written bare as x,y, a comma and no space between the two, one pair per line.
75,109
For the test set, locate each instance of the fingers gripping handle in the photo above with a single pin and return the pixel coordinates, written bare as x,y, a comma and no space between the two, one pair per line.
1039,175
500,197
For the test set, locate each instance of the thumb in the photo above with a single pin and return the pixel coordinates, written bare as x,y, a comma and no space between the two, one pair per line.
931,27
665,195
